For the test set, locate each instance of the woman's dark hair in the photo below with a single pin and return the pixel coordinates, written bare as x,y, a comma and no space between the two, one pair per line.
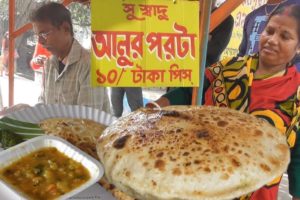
52,12
291,11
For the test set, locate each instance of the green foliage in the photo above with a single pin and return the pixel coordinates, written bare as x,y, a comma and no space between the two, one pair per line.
9,138
3,10
80,14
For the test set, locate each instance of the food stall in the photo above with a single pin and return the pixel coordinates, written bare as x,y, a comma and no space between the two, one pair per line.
208,23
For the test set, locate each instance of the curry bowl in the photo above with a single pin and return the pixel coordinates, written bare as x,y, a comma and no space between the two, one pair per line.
47,167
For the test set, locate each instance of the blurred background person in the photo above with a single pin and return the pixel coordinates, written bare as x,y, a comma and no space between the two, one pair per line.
134,97
4,52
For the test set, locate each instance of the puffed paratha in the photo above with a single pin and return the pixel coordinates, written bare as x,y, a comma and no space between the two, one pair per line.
191,152
82,133
119,195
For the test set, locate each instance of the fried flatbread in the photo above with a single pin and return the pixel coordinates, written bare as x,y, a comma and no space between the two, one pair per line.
115,191
191,152
82,133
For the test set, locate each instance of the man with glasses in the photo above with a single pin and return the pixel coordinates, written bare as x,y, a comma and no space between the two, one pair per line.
67,71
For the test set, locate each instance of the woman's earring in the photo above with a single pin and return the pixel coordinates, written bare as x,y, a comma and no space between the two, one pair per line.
298,51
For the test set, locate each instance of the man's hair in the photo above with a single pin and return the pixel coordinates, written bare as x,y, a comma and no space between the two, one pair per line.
291,11
52,12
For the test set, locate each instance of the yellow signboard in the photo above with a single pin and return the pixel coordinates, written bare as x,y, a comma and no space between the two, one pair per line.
145,43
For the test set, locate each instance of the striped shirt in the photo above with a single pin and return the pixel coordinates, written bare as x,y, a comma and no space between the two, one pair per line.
73,85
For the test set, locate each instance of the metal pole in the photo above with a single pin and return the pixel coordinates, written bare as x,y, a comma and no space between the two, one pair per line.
223,12
205,10
11,54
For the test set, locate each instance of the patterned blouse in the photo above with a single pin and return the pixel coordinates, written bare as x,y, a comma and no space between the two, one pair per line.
274,98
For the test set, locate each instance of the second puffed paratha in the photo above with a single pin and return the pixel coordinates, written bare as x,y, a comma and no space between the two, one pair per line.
82,133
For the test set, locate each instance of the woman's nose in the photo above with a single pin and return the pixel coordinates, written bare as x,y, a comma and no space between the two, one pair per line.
274,39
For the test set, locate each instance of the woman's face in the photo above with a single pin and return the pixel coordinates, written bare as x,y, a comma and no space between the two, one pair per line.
279,41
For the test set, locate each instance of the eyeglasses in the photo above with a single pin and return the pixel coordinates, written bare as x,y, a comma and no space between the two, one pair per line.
43,35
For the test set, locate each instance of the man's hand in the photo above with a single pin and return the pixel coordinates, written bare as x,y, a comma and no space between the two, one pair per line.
295,198
14,108
39,60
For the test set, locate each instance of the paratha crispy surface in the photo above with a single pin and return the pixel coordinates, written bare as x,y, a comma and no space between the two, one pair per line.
119,195
190,152
82,133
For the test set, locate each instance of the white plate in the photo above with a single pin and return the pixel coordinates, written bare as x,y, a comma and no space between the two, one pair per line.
41,111
14,153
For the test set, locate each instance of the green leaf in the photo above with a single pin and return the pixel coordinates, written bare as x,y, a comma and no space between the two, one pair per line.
9,138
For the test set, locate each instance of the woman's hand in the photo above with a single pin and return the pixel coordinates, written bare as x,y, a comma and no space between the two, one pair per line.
296,198
161,102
